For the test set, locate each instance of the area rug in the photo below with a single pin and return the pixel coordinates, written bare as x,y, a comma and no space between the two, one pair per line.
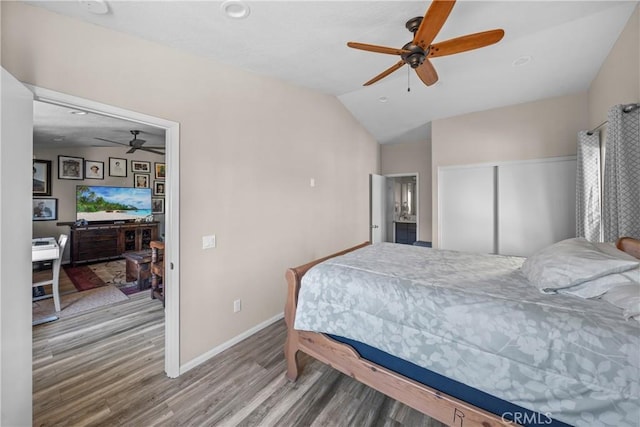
77,302
83,278
105,273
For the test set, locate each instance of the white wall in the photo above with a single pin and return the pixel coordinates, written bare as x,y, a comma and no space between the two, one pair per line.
249,146
16,113
618,81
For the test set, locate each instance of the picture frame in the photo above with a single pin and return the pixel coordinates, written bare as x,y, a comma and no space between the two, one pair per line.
160,169
93,169
117,167
70,167
45,209
42,177
157,205
140,166
141,180
159,188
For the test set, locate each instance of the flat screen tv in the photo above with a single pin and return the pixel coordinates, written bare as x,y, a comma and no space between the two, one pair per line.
110,204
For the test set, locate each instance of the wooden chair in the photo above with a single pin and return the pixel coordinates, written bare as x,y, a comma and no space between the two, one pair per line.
157,270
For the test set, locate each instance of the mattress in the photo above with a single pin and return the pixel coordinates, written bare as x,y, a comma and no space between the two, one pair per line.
474,318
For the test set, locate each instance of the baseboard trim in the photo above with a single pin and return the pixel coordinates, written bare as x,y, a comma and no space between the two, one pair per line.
222,347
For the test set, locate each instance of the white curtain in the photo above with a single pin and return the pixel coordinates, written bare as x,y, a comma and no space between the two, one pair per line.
588,217
621,182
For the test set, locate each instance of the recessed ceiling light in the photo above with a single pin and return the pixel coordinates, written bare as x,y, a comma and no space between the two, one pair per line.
98,7
78,112
383,99
235,9
58,138
523,60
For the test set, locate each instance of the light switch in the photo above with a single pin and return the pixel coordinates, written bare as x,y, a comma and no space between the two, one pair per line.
312,182
209,242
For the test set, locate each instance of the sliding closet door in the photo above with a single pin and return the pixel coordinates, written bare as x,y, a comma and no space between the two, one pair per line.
467,208
536,204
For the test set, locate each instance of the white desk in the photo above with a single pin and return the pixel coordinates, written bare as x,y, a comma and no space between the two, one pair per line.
44,249
47,249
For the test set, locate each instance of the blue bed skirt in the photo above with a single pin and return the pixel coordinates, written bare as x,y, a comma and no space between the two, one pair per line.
453,388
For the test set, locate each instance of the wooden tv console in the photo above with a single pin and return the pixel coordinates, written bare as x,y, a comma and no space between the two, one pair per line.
96,242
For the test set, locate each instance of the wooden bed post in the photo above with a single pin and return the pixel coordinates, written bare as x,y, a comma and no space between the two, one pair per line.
294,278
291,347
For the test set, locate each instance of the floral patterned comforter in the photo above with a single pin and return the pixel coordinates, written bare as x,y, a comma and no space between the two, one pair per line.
476,319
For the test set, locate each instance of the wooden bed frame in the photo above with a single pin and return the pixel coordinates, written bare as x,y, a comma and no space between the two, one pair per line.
429,401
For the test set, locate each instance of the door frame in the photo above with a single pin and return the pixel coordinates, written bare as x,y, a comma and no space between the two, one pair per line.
417,195
172,214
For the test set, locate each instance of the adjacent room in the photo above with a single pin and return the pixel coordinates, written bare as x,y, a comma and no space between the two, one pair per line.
417,140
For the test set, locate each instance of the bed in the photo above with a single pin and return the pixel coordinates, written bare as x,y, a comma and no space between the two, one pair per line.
554,358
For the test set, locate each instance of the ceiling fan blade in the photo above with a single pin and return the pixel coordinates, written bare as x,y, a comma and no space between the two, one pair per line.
137,143
131,150
427,73
378,49
465,43
433,21
113,142
151,151
385,73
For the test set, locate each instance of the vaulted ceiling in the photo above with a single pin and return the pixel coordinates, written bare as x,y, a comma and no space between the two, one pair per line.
550,48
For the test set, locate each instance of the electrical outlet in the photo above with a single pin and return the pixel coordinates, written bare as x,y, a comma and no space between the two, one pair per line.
237,306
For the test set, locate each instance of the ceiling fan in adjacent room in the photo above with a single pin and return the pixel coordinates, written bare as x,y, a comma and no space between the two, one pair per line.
136,144
417,52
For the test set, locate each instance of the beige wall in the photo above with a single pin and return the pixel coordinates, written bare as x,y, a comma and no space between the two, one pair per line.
533,130
412,157
618,81
248,148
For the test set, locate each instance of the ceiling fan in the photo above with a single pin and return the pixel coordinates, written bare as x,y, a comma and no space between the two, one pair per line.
136,144
417,52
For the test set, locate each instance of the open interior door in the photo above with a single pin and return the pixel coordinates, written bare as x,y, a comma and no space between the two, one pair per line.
378,220
16,189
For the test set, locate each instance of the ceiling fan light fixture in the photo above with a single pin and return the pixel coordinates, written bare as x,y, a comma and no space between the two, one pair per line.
235,9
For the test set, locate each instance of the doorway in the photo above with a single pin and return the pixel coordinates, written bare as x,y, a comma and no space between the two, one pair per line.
394,215
171,203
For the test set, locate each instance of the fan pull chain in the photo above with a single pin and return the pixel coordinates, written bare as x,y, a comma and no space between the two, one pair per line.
408,79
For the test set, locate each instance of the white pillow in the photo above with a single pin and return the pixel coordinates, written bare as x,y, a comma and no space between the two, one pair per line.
627,298
596,287
571,262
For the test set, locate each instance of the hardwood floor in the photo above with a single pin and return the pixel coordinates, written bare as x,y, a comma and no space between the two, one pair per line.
105,368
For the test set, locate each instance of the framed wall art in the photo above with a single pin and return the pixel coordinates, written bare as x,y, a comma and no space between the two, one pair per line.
158,188
117,167
45,209
157,206
93,169
141,180
42,177
70,167
160,170
140,167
